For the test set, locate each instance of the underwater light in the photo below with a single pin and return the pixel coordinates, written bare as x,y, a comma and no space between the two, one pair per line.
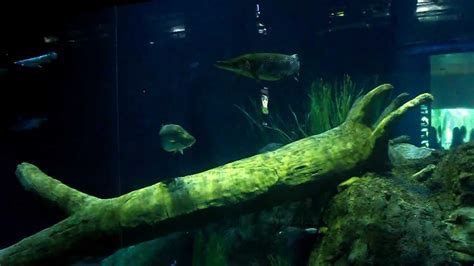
425,125
264,100
178,29
450,122
261,29
452,114
422,9
426,6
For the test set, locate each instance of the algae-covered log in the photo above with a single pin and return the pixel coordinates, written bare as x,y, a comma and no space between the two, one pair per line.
97,226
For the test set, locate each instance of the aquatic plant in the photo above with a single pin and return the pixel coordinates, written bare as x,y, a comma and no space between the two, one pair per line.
198,247
327,107
277,260
273,130
330,103
210,250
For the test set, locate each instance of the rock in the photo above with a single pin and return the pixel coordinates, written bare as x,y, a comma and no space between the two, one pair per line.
466,187
461,232
401,220
455,172
405,154
407,159
400,139
377,221
466,198
466,181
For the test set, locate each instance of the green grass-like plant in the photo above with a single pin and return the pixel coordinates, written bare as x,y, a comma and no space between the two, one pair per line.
209,250
327,107
277,260
329,104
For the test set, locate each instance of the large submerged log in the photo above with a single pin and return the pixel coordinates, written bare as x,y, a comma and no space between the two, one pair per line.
97,227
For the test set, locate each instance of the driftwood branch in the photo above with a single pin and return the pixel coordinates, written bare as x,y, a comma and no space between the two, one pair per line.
96,227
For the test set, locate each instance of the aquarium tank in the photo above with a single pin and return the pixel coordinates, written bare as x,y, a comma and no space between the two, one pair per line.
452,78
237,133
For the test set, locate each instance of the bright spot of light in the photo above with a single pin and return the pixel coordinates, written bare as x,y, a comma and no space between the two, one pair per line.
427,6
445,120
178,29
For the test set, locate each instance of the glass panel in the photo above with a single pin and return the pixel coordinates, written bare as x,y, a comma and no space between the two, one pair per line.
173,132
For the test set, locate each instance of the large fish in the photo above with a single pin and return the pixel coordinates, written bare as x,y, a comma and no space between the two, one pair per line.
175,139
263,66
37,61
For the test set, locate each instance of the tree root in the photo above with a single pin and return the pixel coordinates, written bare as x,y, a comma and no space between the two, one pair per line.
97,227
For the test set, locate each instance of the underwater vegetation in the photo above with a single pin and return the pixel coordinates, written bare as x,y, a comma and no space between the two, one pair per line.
210,250
327,105
277,260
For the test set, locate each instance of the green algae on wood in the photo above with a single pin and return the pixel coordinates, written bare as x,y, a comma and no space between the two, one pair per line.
300,169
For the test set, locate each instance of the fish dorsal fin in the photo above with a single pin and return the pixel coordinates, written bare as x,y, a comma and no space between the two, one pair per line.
295,56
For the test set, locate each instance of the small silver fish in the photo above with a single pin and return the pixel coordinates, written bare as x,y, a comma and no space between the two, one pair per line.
175,139
50,39
291,234
38,61
270,147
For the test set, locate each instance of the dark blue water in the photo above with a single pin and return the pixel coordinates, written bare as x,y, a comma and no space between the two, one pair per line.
121,74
